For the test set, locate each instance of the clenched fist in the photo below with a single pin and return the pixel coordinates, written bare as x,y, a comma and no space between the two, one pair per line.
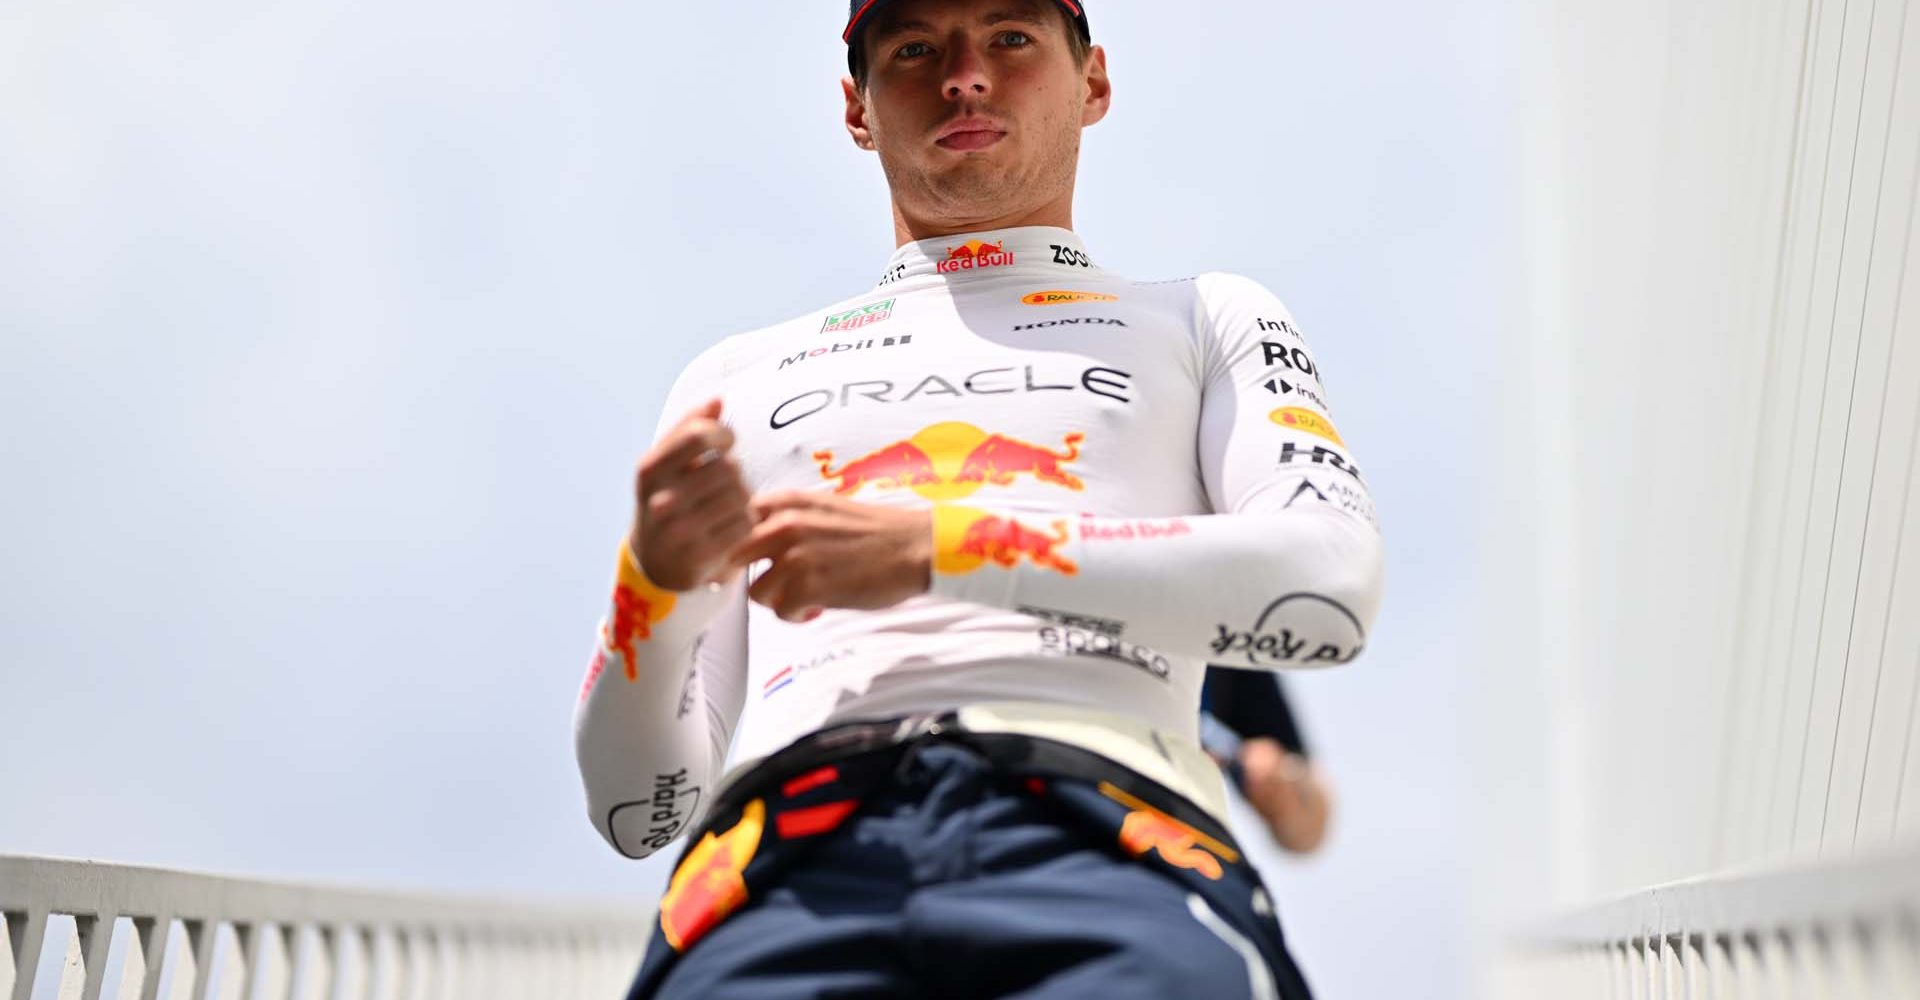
691,504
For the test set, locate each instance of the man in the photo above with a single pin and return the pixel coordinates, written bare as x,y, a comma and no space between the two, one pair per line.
942,564
1248,728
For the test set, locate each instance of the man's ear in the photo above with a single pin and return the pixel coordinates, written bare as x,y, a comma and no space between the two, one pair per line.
857,115
1099,88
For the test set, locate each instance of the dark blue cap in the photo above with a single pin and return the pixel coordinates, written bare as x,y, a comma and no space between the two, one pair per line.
859,11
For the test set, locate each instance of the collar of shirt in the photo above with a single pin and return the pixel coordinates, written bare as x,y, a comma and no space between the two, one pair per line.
1026,251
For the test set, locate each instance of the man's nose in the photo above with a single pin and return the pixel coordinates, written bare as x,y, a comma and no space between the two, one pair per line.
966,73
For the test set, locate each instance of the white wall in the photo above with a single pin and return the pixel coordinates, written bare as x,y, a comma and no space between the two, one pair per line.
1702,620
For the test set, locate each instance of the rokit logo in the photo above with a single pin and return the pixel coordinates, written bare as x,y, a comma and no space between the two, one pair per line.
1298,629
1047,324
858,345
1069,255
675,799
1291,358
1060,640
854,319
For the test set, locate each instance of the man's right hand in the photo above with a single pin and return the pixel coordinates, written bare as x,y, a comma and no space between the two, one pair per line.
691,504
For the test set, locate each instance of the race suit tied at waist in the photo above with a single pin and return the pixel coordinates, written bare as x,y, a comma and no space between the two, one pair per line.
1021,738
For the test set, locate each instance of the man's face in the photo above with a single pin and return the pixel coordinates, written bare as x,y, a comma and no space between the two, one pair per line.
975,106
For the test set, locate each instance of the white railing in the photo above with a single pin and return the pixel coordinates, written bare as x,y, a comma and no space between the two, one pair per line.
178,934
1832,930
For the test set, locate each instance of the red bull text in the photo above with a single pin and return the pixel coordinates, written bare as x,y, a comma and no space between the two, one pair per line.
974,255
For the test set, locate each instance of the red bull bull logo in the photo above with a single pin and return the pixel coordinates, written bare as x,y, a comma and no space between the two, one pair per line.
966,539
1302,419
974,255
1148,829
950,461
710,884
638,605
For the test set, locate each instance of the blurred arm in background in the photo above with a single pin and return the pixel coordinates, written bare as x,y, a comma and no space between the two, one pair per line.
1247,725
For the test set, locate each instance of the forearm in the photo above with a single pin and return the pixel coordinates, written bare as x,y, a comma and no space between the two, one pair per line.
1262,590
648,736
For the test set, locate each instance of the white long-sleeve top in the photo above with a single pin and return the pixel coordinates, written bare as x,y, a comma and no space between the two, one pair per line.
1129,480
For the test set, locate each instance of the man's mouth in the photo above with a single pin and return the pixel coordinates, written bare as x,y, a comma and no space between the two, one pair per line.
969,134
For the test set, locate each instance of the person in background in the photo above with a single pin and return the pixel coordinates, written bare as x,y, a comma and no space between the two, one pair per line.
1248,727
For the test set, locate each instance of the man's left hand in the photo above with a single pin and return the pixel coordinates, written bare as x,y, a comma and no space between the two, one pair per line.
831,552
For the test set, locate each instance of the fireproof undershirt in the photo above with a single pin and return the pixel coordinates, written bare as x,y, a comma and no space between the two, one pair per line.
1128,480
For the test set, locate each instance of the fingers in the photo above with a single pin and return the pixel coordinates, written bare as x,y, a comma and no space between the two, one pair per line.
769,504
780,519
714,490
789,589
792,586
769,538
830,552
692,502
687,448
722,536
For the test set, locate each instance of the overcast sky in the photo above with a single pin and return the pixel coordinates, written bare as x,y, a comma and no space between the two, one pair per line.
332,331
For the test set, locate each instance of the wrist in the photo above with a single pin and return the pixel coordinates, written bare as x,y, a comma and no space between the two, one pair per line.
920,552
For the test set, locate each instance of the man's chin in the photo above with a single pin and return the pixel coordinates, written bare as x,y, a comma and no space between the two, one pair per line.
972,183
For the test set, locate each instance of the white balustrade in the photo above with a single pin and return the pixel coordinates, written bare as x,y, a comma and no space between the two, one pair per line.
1847,930
293,941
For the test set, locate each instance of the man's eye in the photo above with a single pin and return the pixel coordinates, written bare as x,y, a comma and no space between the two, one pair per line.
912,50
1017,39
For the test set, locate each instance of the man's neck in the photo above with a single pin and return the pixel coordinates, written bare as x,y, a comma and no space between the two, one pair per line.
1058,214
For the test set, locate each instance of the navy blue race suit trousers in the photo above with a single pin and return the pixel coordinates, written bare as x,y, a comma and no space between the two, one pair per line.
926,871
